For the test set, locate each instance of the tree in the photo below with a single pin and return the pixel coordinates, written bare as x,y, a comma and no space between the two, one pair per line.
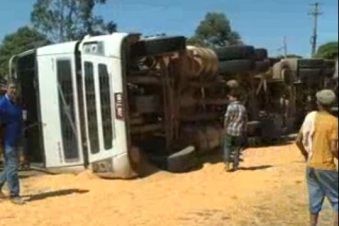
328,50
64,20
215,31
23,39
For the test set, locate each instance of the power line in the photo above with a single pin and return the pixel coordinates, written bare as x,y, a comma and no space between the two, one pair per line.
284,47
315,13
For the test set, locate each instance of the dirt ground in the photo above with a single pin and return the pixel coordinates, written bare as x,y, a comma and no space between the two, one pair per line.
268,190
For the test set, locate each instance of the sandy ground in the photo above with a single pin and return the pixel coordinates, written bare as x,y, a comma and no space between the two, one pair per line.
269,190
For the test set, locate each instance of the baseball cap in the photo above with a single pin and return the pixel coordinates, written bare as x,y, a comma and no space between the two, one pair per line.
326,97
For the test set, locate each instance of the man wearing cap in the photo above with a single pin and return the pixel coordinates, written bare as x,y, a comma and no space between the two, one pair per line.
318,142
11,120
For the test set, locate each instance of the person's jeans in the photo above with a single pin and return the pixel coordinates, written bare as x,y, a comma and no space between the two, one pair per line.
321,184
10,172
232,147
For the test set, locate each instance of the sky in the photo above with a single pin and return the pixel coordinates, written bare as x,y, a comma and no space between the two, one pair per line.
261,23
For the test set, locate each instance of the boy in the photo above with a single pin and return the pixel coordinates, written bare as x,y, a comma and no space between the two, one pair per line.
235,124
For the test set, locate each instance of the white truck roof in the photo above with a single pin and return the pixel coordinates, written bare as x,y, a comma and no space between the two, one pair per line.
112,45
61,48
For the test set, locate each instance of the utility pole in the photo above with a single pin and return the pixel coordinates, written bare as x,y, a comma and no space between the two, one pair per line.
285,46
315,13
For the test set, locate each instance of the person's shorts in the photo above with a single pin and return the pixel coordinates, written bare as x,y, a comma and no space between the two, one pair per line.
321,184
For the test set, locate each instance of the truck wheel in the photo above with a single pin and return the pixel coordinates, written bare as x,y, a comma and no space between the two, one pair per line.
260,54
235,66
182,161
235,52
158,46
310,63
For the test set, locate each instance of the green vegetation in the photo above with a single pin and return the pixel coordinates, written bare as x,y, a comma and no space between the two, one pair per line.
64,20
23,39
328,50
215,31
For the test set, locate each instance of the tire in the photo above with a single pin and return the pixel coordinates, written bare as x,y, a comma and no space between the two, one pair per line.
182,161
310,63
235,66
235,53
262,66
158,46
260,54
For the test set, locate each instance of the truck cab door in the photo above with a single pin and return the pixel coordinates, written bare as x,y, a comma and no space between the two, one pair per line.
102,91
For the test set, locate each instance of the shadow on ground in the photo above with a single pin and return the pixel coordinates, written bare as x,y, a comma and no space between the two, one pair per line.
216,157
45,195
254,168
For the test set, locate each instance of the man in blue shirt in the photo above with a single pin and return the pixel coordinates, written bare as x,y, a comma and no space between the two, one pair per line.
11,121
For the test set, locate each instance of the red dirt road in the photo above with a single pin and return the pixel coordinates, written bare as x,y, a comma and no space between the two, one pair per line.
269,190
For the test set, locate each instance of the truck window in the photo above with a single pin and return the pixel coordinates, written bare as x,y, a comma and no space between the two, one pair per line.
91,108
105,99
66,108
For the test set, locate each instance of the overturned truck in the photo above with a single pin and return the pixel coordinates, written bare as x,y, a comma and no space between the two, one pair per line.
302,79
110,102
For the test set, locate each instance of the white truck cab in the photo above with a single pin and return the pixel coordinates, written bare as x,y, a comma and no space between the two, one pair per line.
75,94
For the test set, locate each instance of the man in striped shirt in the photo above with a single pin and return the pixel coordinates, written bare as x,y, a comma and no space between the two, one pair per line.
235,126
